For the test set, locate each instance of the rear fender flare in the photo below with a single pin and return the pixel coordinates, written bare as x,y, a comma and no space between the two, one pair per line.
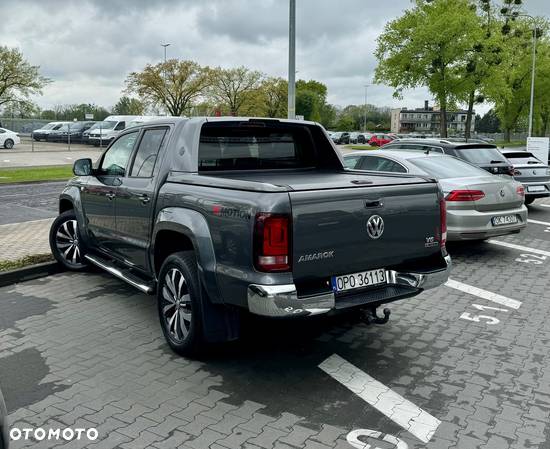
194,226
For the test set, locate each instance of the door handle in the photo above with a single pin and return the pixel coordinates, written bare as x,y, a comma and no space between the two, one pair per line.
144,198
373,204
110,195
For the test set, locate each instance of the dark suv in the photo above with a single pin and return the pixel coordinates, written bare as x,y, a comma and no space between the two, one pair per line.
484,155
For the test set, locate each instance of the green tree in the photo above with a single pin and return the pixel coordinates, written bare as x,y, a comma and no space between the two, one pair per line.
173,85
233,88
311,97
275,96
129,106
489,123
428,46
18,79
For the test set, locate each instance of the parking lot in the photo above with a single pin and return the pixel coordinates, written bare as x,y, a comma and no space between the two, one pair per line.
465,365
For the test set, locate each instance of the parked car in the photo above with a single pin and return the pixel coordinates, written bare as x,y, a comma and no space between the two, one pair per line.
484,155
4,438
219,215
479,205
364,137
42,133
76,130
8,139
531,172
113,125
340,138
353,137
379,140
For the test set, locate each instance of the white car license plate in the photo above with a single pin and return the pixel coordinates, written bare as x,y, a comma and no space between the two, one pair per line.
504,220
536,189
358,280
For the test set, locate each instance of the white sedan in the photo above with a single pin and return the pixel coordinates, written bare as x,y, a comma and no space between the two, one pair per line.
8,139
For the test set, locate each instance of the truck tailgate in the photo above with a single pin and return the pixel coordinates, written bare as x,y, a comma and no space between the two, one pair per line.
330,228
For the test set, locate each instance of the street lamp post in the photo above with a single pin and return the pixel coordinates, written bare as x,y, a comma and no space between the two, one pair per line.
365,123
165,46
292,60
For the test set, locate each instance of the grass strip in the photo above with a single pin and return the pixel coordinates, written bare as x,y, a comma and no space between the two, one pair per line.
29,174
8,265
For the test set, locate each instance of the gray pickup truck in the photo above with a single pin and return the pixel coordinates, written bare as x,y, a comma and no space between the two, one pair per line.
224,215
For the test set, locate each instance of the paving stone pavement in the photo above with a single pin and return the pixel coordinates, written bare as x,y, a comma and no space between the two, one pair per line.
86,350
18,240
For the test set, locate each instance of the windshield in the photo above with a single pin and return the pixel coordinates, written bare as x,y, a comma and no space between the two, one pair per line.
336,134
49,126
522,157
104,125
444,167
481,155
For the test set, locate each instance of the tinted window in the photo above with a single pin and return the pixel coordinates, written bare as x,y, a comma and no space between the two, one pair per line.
447,167
351,161
522,157
117,156
120,126
255,148
2,131
147,152
480,155
377,163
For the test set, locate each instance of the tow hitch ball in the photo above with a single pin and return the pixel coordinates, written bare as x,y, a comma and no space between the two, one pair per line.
369,316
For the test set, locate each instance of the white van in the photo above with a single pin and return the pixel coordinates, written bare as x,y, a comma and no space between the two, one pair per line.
104,132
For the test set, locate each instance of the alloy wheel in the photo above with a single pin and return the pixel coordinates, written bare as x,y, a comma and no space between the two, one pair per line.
67,243
176,305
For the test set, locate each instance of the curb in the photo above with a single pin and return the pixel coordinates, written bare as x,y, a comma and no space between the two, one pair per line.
28,273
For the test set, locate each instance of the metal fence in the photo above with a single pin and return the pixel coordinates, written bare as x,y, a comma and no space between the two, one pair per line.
22,125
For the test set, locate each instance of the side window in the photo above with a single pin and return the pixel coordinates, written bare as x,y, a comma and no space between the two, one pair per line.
351,162
432,149
377,163
370,163
120,126
2,131
117,156
147,152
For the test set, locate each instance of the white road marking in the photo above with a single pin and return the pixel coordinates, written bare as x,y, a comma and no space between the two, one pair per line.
484,294
525,249
353,439
543,205
544,223
401,411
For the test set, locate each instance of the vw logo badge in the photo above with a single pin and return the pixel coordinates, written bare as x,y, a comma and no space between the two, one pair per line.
502,193
375,227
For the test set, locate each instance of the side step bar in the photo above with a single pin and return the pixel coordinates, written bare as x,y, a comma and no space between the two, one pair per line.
125,275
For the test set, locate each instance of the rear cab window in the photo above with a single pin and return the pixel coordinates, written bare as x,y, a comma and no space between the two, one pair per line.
263,146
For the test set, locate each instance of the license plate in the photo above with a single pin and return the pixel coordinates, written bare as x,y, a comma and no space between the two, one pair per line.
358,280
536,189
504,220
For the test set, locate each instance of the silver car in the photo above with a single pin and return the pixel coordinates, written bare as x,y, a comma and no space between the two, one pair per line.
479,205
531,172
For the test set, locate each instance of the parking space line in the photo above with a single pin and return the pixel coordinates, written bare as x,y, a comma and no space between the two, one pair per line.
484,294
544,205
520,247
401,411
543,223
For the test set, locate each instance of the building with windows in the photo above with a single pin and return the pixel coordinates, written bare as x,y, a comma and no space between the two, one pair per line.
427,120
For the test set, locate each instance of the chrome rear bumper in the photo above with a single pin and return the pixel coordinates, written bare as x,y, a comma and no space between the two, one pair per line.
283,300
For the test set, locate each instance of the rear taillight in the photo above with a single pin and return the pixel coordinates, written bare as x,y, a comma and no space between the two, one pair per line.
443,222
520,190
272,242
465,195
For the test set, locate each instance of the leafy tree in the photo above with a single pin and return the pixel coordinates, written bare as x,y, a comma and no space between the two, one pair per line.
173,85
489,123
75,111
18,79
428,46
311,97
345,123
275,96
231,88
129,106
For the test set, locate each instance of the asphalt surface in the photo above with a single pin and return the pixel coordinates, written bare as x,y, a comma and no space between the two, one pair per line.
27,202
85,350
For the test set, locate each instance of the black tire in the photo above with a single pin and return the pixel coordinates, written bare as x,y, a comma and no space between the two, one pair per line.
65,242
529,201
8,144
179,296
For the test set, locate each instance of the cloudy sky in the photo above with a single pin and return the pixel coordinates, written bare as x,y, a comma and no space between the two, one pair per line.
89,46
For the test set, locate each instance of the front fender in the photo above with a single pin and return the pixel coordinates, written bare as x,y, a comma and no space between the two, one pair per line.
71,193
194,226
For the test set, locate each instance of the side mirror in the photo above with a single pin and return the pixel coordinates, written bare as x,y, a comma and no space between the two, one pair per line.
82,167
